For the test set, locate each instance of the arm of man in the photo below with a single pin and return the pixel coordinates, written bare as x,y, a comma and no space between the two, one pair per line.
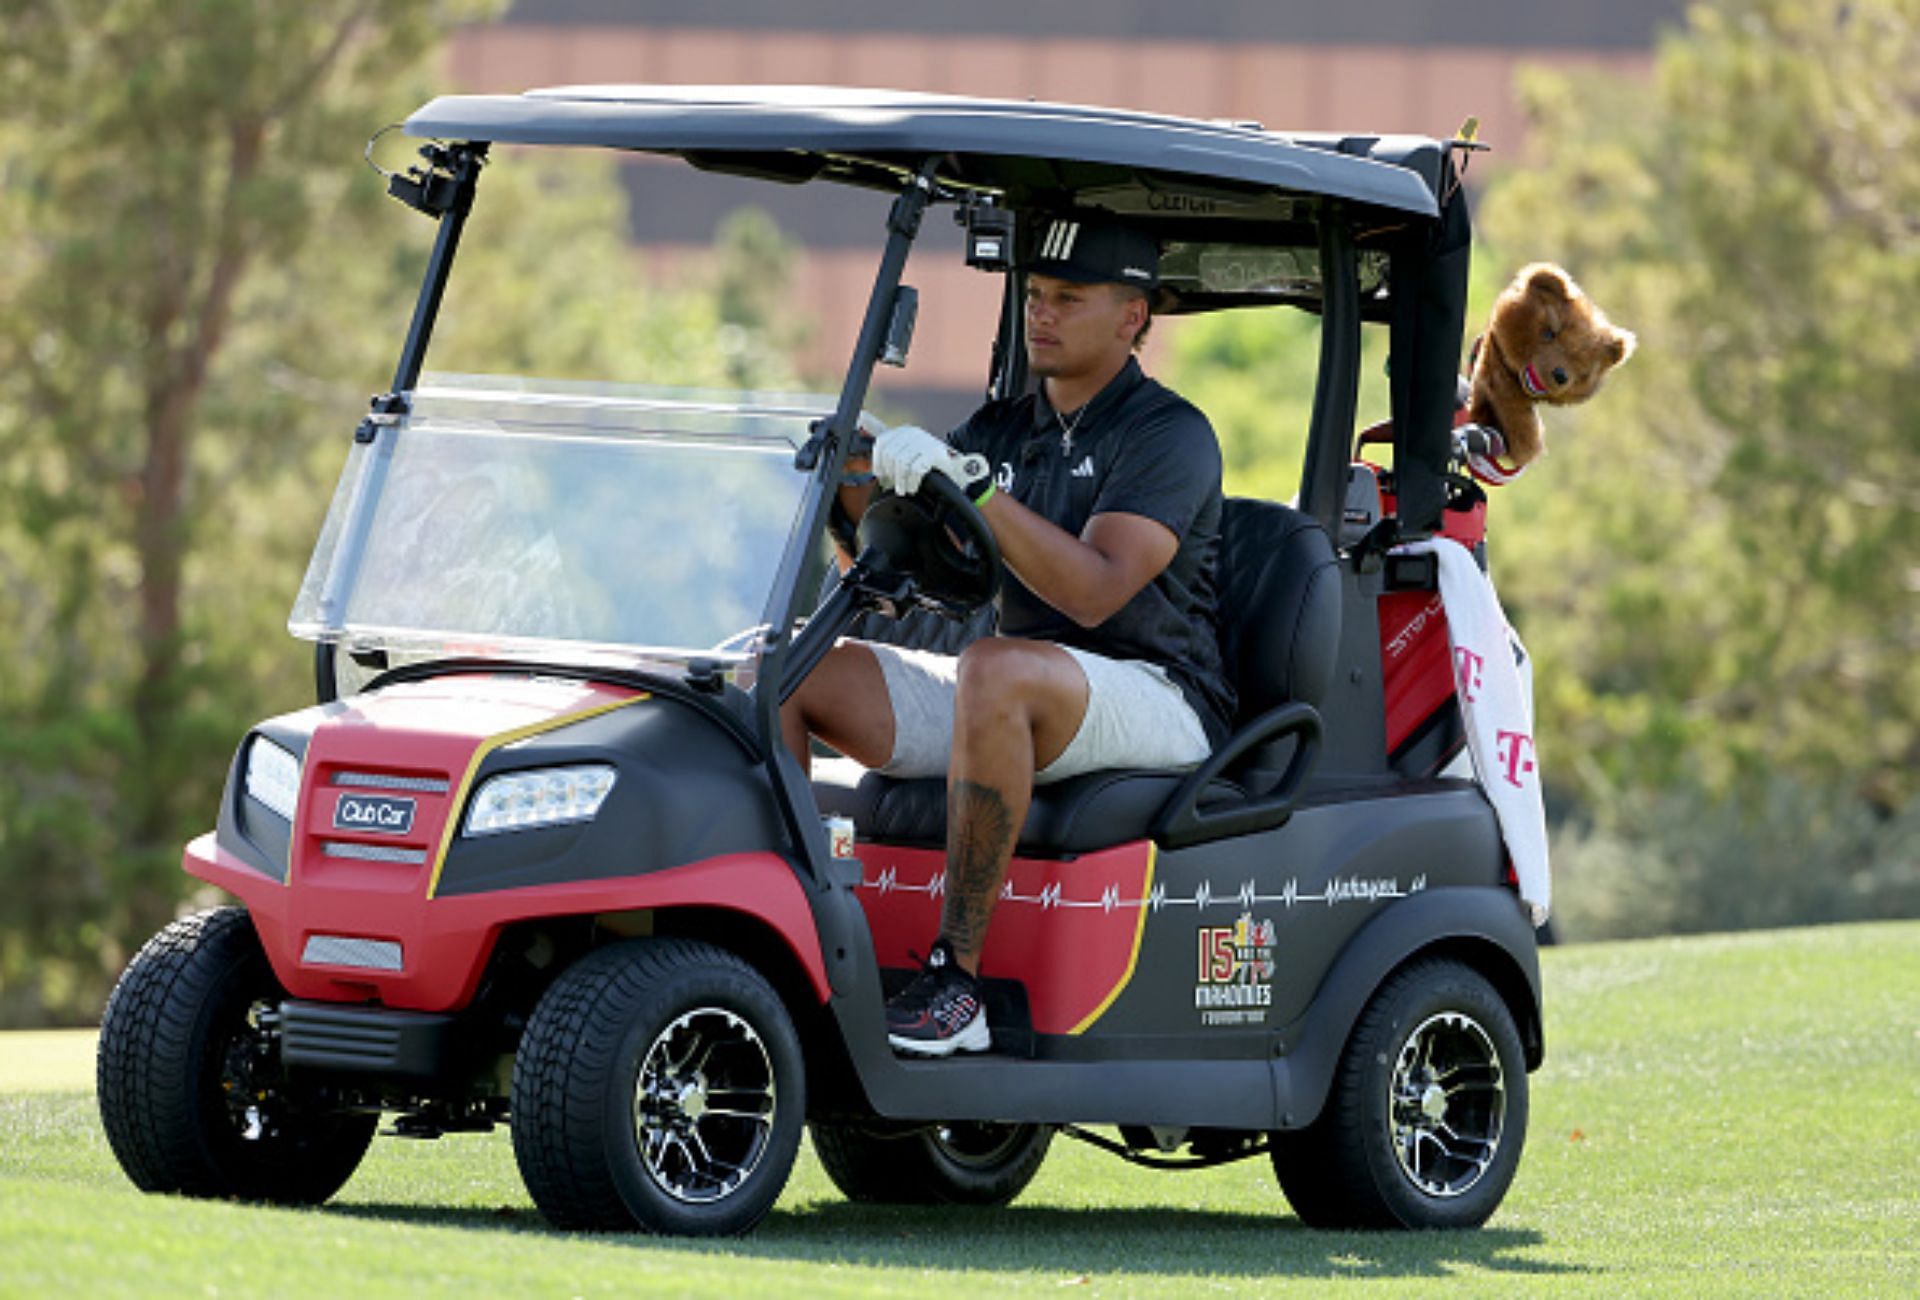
1167,468
854,498
901,467
1089,578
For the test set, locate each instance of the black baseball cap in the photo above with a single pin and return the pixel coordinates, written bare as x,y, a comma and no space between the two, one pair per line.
1096,252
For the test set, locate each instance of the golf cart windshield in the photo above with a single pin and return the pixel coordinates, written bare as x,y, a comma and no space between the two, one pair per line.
570,523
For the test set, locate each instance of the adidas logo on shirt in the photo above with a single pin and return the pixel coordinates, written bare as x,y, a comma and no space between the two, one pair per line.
1084,469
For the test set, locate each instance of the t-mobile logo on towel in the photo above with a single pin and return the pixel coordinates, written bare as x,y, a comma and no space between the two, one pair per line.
1514,747
1466,671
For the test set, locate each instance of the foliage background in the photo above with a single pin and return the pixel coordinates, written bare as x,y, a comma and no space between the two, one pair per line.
202,286
1717,569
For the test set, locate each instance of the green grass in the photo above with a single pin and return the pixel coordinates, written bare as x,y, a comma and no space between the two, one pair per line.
1733,1115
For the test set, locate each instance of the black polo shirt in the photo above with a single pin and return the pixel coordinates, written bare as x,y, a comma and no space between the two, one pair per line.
1137,448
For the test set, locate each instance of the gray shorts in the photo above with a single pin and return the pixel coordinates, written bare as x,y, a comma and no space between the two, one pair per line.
1136,716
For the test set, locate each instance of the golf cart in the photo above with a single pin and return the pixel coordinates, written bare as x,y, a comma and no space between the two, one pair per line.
548,863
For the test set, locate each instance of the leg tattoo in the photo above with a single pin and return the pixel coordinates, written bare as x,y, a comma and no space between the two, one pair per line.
980,835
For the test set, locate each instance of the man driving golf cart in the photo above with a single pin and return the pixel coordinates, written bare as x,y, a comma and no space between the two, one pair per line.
1103,491
555,866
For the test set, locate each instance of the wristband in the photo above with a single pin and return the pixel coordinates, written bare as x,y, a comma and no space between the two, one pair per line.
986,496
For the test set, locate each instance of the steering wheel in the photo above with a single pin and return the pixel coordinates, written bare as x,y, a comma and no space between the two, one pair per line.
938,537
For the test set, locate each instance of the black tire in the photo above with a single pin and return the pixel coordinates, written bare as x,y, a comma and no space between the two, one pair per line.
188,1075
950,1164
618,1055
1427,1114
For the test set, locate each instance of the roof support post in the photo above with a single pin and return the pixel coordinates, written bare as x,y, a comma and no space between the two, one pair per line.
444,191
1323,486
463,163
792,794
1429,273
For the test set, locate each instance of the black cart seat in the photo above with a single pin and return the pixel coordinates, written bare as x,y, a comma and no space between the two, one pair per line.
1279,635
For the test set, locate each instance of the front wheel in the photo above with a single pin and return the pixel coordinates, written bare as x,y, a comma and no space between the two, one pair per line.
189,1081
659,1084
946,1164
1428,1112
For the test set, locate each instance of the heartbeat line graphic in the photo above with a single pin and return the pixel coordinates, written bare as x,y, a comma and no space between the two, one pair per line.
1052,896
888,882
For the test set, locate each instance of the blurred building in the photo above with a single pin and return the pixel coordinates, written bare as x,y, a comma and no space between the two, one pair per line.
1307,65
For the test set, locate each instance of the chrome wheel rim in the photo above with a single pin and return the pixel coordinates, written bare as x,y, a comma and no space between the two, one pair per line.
703,1106
1448,1103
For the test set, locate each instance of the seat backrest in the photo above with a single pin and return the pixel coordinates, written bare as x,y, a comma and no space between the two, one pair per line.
1279,605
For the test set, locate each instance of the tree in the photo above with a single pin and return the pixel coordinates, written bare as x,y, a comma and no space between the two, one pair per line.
1726,616
1742,585
1253,373
203,286
1715,567
753,267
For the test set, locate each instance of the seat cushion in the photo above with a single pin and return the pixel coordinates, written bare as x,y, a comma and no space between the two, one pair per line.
1078,815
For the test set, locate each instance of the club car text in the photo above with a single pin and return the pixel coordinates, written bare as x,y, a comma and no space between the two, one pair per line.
378,813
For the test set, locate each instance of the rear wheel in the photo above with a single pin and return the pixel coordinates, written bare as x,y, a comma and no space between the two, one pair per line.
1428,1112
189,1081
659,1084
947,1164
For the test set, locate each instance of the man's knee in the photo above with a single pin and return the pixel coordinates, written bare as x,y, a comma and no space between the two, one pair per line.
1004,671
991,670
844,701
843,671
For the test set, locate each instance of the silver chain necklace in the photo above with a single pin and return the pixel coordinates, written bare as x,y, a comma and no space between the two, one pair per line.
1066,429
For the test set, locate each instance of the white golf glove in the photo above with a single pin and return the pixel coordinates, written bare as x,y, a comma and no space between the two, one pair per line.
903,457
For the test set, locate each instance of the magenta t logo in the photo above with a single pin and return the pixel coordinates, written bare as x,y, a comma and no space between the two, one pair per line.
1514,747
1466,672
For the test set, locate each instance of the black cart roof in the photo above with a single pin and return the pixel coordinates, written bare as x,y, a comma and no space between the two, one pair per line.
1018,147
1221,195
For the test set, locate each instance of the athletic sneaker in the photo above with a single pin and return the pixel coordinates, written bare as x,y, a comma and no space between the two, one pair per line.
940,1012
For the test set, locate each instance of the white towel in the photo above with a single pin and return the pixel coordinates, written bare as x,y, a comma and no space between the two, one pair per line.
1493,680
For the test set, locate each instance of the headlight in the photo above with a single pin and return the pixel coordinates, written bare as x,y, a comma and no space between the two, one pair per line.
551,796
273,776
